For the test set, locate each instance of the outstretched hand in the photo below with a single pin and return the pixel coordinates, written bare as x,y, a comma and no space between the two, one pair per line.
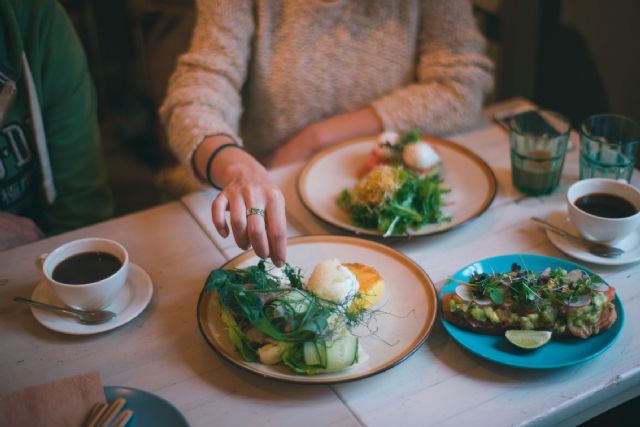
257,213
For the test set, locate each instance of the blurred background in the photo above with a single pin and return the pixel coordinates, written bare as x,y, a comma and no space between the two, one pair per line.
577,57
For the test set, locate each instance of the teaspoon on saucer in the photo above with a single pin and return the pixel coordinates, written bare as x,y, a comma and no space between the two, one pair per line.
95,317
597,249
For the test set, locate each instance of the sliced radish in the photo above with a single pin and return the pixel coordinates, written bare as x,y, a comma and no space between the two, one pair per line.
546,272
577,302
464,292
574,275
506,281
600,287
484,302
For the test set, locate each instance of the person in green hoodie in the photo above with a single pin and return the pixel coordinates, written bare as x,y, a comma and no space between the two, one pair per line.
52,176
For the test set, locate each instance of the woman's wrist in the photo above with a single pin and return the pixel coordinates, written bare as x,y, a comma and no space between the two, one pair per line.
217,161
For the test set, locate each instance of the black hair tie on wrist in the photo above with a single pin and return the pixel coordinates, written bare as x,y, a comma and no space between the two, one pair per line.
213,156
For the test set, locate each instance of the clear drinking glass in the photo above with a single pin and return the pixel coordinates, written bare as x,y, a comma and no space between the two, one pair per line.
608,147
538,147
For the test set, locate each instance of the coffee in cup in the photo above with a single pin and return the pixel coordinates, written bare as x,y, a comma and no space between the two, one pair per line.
604,210
86,274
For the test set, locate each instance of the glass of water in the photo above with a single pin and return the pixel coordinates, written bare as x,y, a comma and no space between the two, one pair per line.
538,140
608,147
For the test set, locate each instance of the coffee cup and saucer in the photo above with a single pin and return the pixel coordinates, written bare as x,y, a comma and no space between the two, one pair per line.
90,274
600,210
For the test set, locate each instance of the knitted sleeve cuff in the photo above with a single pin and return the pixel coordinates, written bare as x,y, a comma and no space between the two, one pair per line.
189,127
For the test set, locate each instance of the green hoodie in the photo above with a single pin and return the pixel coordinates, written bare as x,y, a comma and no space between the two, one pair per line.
52,172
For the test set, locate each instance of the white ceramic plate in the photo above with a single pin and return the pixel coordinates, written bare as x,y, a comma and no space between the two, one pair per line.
130,302
560,218
472,183
409,297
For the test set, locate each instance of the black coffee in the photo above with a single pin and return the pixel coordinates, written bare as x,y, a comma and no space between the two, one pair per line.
606,205
86,267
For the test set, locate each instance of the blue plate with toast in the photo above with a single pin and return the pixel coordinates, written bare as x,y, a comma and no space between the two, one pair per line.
558,352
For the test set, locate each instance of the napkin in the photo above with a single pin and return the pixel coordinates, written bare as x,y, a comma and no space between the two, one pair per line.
66,402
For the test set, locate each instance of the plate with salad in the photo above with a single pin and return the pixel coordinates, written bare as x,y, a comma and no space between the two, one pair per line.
396,185
531,311
341,309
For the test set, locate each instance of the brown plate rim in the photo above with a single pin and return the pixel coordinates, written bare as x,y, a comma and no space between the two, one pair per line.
304,197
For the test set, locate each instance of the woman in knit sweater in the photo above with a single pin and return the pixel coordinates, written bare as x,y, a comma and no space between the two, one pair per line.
285,78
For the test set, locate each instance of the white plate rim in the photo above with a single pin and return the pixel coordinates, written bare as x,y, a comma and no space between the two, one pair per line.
358,231
80,329
341,376
563,245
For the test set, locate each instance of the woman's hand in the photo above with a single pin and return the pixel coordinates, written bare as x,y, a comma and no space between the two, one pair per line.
251,188
318,135
17,230
246,185
299,148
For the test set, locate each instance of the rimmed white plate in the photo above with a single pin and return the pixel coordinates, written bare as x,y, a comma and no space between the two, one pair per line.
130,302
560,218
472,183
408,307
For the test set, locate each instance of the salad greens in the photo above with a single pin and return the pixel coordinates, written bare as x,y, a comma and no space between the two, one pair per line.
566,303
411,202
528,289
271,318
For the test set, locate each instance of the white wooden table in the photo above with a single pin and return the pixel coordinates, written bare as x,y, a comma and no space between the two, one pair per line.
162,350
442,384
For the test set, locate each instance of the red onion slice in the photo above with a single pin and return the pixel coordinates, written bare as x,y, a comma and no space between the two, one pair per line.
577,302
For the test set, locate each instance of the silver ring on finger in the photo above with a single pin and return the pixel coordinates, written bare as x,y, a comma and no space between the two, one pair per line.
255,211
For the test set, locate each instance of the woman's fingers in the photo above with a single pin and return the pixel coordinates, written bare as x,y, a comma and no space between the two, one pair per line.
255,201
276,226
218,211
238,211
266,233
257,235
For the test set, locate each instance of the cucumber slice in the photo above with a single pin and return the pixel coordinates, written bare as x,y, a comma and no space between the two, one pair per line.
311,354
321,348
342,352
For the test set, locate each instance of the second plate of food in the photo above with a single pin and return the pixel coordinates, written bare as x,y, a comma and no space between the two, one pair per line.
470,180
559,351
400,321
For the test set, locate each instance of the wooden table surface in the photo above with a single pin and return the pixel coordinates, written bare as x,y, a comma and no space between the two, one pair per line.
441,384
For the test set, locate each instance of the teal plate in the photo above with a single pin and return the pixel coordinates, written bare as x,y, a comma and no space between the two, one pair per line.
558,353
148,409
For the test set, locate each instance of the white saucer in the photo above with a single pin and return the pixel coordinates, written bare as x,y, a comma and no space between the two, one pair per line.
130,302
630,245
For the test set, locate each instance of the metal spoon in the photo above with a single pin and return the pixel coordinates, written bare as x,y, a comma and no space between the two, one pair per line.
86,317
598,249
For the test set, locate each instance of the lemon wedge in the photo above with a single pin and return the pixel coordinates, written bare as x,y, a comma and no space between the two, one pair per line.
528,339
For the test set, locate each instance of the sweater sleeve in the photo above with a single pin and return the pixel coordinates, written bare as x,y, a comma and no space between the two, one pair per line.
452,74
203,98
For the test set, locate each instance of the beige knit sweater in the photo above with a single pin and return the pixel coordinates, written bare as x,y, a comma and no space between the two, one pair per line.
262,70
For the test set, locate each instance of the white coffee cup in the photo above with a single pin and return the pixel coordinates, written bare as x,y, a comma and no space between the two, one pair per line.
89,296
598,228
